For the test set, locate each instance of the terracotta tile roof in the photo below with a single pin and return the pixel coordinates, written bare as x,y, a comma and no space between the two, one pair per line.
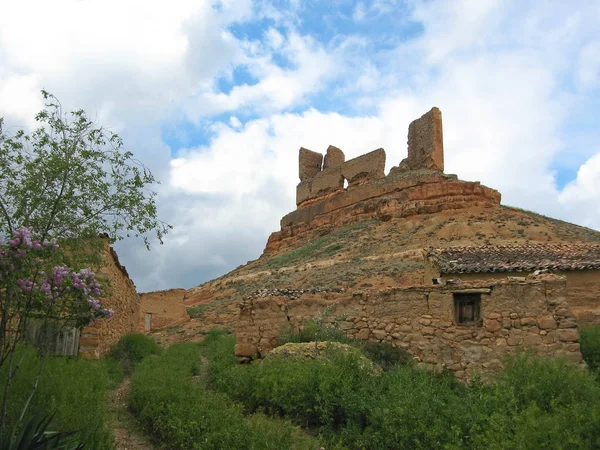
516,258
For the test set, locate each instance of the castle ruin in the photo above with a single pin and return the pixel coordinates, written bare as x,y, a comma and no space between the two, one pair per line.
443,321
418,185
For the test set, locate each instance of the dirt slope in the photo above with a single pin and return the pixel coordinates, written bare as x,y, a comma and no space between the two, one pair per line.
365,255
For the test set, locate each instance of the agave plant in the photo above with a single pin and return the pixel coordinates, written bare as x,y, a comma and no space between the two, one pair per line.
37,436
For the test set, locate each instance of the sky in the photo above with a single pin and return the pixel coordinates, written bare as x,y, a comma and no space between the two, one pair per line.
216,98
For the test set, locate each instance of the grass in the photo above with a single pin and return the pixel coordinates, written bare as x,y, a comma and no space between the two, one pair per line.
132,349
182,413
73,388
324,246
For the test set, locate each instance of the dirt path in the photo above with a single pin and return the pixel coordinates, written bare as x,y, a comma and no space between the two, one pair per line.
127,432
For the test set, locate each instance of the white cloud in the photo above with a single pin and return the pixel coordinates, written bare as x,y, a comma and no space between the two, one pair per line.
581,197
507,76
278,88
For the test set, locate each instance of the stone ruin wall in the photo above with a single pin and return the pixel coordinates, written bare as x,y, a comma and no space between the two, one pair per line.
531,314
167,308
97,338
417,186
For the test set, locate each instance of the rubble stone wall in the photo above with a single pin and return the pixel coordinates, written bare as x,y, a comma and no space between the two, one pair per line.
166,308
515,315
122,298
425,143
357,171
582,294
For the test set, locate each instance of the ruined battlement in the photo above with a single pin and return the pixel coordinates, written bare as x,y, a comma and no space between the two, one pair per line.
321,176
335,192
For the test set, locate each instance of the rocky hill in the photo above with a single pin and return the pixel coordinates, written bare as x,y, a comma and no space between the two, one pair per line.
370,234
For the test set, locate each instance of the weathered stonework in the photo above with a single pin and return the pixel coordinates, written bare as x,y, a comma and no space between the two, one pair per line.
162,309
309,163
525,314
396,195
425,143
333,158
579,263
364,168
123,299
418,186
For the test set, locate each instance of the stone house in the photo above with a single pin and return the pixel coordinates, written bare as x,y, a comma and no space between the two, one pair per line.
578,263
123,299
465,327
161,309
475,304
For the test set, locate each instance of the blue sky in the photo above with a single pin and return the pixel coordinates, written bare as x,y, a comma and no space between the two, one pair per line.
216,97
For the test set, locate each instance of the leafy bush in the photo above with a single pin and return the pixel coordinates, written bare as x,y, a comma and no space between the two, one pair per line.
534,403
542,403
180,411
316,330
414,409
589,339
384,354
74,389
324,393
132,349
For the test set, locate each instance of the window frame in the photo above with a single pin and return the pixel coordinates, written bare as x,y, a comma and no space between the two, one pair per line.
461,299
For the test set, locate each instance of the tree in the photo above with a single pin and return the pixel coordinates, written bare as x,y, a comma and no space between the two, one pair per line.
73,179
31,288
67,183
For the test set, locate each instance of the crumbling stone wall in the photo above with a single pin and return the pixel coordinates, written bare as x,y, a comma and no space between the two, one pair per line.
396,195
356,171
309,163
425,143
122,297
166,308
417,186
582,294
515,315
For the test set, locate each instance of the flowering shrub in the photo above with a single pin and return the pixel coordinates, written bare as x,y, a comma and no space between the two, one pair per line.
32,287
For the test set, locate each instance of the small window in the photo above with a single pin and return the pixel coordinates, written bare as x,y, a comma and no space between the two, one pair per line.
467,309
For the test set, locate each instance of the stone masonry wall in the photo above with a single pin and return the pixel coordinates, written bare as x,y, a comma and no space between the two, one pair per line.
357,171
532,314
97,338
583,287
396,195
417,186
166,307
425,143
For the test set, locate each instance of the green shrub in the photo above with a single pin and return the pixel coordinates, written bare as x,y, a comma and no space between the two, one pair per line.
38,433
132,349
414,409
314,330
384,354
542,403
324,392
182,413
72,388
589,339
